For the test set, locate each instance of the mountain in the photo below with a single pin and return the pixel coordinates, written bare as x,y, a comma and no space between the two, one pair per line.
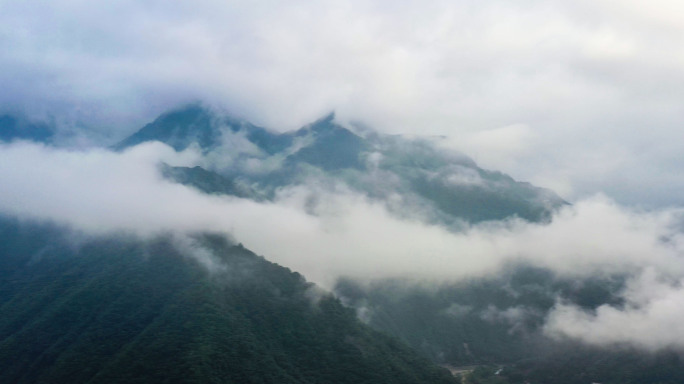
202,308
178,129
449,187
489,320
182,309
495,325
332,147
209,182
194,124
16,128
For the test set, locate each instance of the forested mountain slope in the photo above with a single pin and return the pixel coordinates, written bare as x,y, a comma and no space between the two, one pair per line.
198,309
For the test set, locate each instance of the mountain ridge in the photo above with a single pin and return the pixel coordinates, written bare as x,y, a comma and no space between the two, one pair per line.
454,187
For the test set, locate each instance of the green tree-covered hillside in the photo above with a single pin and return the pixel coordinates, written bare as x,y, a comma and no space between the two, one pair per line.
177,309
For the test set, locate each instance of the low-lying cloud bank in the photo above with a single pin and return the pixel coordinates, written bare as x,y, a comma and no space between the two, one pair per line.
650,318
344,234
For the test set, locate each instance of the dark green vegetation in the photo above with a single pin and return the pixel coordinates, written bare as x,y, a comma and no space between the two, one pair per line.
175,309
577,364
480,321
496,322
434,184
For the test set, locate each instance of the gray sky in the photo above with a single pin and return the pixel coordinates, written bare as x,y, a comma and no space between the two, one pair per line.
582,96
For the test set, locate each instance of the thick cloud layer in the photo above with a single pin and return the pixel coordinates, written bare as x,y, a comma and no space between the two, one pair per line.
582,96
344,234
326,232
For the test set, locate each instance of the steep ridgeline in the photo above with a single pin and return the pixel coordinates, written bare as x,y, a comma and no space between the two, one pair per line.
176,309
446,187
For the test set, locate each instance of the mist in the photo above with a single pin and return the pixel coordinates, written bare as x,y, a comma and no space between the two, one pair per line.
321,231
345,234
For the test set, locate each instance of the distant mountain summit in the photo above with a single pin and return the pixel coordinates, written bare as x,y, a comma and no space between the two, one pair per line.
332,146
16,128
449,186
179,129
195,124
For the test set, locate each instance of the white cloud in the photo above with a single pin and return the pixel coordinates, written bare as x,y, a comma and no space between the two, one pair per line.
341,234
495,148
590,79
650,319
345,234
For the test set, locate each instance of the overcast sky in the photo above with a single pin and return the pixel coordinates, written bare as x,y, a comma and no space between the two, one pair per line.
581,96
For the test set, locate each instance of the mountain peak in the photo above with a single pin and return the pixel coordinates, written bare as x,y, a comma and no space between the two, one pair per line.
453,185
195,123
322,125
179,128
